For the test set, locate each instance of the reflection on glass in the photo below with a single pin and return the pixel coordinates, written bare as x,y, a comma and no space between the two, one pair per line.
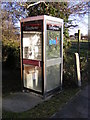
32,45
53,77
32,77
53,44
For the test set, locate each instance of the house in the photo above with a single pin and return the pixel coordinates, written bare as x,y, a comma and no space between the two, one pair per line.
84,37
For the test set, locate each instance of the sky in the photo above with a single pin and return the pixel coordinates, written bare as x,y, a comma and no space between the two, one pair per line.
82,25
82,22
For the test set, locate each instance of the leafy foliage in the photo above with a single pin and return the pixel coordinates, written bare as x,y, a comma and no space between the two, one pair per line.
69,64
10,53
55,9
11,12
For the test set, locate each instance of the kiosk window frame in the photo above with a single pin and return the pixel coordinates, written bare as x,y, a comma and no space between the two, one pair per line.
39,62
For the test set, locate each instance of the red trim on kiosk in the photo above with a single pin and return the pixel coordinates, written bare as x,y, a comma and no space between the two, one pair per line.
32,62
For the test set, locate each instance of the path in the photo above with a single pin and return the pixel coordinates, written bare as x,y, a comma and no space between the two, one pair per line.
75,108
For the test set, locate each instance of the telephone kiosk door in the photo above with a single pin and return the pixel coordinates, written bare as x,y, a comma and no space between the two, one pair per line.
32,56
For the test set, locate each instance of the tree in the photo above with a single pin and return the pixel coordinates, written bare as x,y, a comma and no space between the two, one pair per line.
49,8
58,9
14,10
11,13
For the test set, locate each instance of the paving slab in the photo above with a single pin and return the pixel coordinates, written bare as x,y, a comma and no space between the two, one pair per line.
20,102
77,107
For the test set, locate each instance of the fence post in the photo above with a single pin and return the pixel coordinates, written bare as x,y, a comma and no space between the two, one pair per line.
79,37
77,69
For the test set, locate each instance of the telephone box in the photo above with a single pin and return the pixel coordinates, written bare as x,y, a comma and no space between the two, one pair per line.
42,54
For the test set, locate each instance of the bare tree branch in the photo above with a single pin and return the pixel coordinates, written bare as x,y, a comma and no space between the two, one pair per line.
36,3
69,26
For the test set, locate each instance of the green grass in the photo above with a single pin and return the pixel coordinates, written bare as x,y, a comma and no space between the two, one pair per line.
69,62
84,48
77,40
47,108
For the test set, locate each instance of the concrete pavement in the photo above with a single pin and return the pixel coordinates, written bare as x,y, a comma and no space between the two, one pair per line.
77,107
20,102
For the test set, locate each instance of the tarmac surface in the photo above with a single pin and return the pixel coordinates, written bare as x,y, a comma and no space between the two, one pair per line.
77,107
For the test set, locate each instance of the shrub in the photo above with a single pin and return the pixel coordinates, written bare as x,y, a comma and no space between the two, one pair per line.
69,64
10,53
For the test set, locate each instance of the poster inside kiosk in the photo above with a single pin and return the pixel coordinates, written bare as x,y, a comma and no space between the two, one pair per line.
41,51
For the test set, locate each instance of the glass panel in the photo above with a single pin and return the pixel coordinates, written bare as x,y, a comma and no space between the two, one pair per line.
32,55
32,45
53,44
53,77
32,40
32,77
